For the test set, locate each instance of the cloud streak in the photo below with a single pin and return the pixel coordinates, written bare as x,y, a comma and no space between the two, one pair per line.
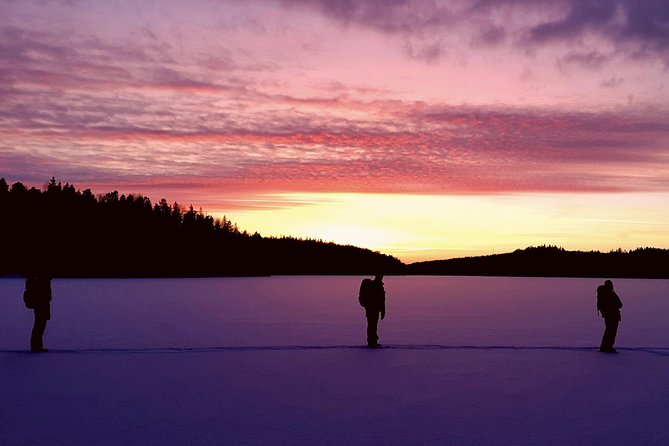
101,108
633,27
434,149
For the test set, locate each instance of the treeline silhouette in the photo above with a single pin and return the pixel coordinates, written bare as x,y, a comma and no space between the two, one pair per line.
78,234
552,261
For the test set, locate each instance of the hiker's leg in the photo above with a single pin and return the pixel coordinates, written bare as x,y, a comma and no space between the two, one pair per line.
613,332
372,327
609,337
38,332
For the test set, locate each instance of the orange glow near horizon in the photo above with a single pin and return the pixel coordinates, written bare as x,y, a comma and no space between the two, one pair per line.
430,227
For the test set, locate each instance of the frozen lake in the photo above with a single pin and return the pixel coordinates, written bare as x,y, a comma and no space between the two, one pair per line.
278,360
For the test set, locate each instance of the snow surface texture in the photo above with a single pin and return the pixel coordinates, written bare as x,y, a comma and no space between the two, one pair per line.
280,361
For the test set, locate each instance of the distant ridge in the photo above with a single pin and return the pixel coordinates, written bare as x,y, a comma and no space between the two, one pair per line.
553,261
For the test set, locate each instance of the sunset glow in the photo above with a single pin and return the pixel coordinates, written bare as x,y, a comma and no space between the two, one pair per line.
424,129
414,228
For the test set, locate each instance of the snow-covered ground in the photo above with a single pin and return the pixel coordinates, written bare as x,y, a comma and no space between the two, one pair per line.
279,360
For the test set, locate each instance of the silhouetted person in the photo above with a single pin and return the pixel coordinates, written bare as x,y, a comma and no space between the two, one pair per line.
37,296
372,298
609,305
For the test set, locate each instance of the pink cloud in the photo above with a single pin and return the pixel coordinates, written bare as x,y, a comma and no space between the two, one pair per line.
98,107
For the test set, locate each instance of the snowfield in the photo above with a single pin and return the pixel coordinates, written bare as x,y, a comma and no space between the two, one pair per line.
281,361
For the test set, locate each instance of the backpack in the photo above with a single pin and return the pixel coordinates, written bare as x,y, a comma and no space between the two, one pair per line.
29,295
365,290
601,298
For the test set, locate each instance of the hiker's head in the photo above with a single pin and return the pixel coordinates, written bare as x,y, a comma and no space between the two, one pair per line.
608,284
378,277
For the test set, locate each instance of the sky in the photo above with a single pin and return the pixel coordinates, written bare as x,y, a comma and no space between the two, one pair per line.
424,129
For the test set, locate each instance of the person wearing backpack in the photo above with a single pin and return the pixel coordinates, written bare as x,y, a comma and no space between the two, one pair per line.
372,298
37,296
609,305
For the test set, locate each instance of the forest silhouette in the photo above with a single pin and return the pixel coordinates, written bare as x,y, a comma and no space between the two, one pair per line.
553,261
79,234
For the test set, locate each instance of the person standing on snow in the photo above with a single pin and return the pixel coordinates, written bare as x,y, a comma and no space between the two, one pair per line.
372,298
609,305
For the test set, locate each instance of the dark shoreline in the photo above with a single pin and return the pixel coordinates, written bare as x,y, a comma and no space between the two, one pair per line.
543,261
552,261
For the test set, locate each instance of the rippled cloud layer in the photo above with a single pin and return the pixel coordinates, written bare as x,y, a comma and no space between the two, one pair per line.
429,97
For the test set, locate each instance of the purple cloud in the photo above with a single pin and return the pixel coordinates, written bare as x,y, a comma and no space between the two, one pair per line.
582,16
634,27
592,60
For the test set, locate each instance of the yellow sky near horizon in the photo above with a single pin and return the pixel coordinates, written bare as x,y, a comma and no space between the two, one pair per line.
430,227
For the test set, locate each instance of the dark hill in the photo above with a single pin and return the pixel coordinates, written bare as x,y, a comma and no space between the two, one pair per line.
551,261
